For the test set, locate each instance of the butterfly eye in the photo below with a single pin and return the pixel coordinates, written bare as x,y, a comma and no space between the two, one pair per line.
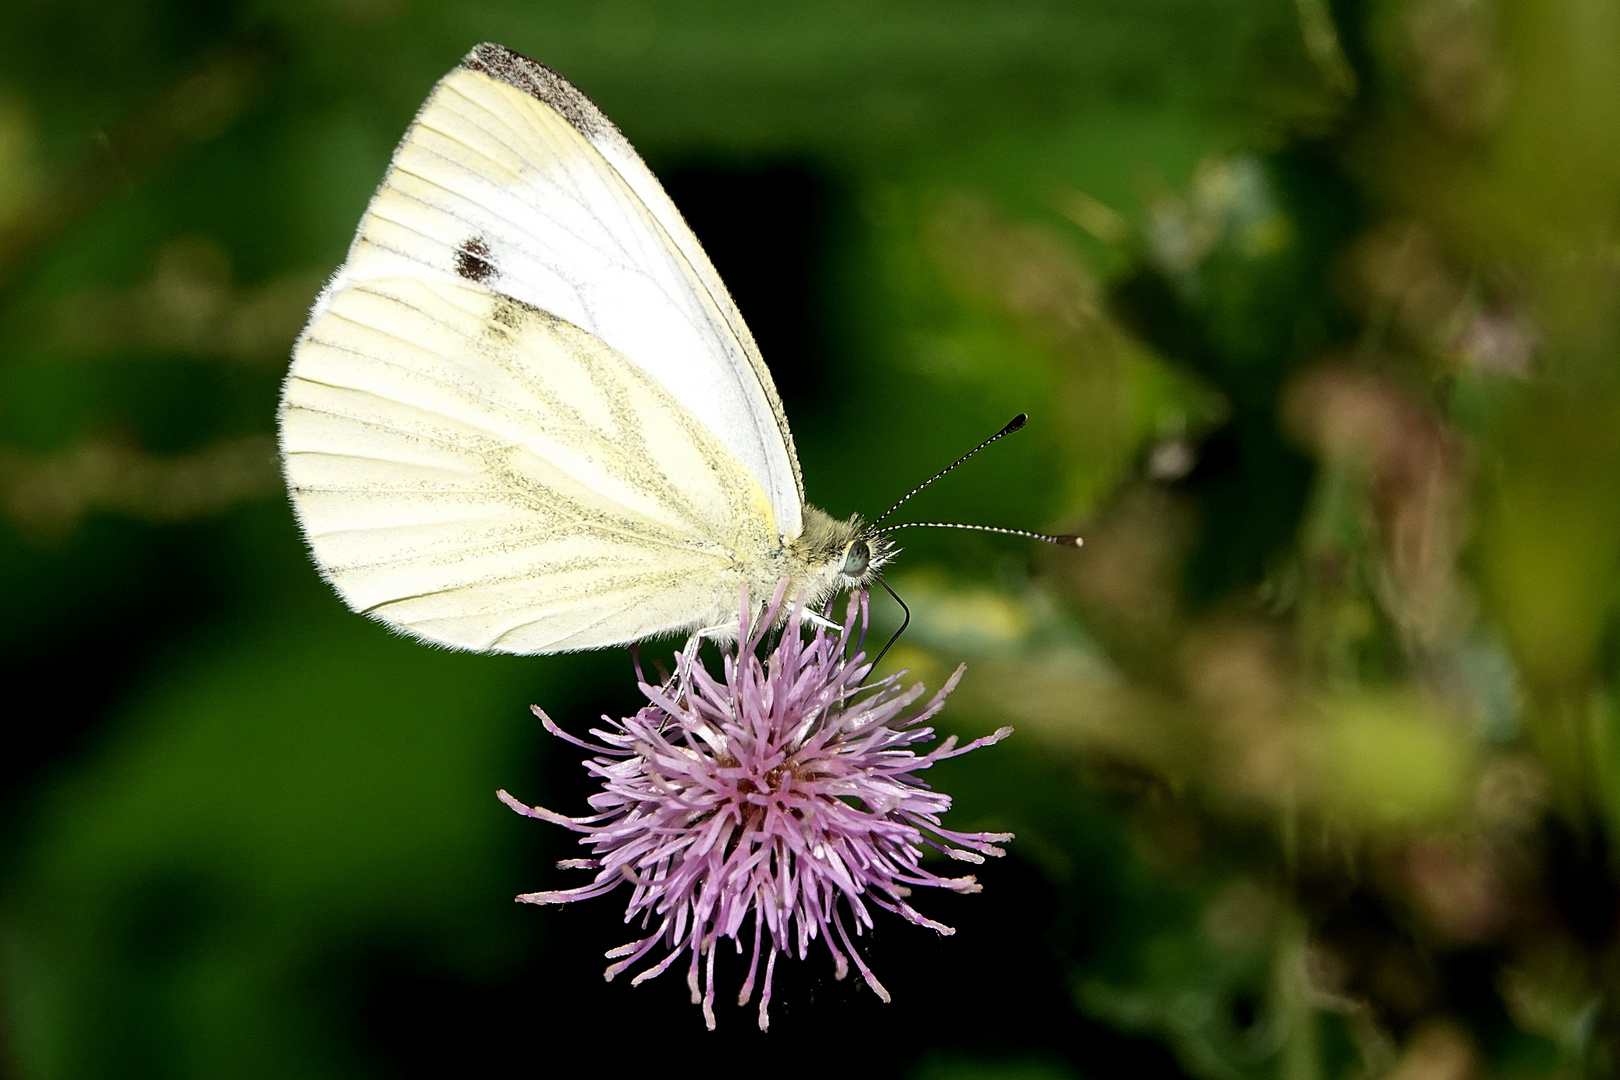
856,558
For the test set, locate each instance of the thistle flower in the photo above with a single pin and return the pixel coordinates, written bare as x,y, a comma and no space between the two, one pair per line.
783,795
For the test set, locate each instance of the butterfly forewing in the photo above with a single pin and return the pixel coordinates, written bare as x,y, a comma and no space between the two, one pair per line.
511,180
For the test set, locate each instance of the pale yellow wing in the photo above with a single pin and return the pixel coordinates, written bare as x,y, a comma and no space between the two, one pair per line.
485,475
511,179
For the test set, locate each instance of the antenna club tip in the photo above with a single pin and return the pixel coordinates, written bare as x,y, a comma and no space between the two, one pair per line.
1069,541
1015,423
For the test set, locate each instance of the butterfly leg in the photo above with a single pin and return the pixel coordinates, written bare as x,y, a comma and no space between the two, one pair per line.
689,652
822,621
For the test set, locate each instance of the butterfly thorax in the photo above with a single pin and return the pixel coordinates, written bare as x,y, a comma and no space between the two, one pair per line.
830,556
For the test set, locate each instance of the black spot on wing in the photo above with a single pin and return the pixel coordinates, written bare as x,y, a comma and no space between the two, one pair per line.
473,260
539,81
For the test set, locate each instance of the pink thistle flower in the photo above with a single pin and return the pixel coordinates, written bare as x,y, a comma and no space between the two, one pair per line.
785,795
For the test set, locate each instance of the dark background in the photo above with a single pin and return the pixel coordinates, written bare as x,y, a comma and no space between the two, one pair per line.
1314,309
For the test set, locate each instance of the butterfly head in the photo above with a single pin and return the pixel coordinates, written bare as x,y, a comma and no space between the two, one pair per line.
863,557
833,556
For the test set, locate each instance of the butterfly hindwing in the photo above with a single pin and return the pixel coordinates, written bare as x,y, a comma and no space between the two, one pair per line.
485,475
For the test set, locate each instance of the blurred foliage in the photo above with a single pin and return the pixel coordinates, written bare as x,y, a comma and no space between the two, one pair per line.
1315,307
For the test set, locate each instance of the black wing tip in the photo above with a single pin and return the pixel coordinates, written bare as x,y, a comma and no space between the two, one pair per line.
491,51
539,82
497,61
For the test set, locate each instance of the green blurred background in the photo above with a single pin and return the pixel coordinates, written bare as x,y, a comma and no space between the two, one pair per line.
1315,307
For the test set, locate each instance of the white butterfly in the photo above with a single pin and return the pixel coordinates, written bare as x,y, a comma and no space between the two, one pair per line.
525,415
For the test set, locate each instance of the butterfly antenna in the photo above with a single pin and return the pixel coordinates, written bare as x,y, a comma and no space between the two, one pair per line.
905,623
1012,425
1060,539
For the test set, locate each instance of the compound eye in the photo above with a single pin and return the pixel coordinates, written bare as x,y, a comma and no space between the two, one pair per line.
856,558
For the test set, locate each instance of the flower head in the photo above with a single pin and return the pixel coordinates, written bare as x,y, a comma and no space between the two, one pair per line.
784,796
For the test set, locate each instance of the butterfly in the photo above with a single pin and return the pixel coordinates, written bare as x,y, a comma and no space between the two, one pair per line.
525,415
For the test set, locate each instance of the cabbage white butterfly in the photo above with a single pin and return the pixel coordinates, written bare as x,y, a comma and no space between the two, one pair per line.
525,415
